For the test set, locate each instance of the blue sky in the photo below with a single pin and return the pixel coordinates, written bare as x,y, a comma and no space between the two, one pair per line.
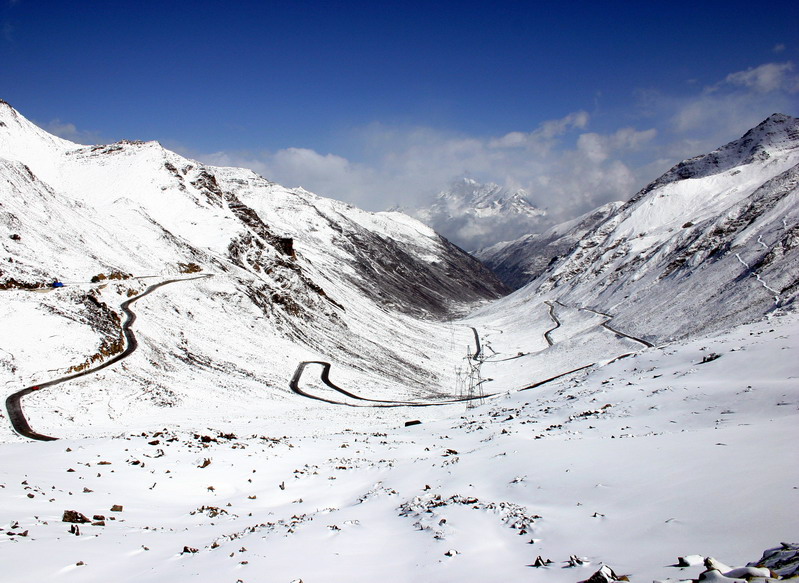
383,103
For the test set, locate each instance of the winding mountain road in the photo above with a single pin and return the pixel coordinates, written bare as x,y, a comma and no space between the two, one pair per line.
552,315
325,374
607,326
325,377
476,355
14,401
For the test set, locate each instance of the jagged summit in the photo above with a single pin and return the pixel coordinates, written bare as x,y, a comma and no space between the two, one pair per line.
474,215
488,197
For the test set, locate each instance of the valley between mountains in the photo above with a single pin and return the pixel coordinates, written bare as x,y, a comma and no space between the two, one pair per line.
243,382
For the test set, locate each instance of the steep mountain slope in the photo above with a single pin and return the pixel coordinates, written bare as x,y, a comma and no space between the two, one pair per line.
713,242
293,273
475,215
520,261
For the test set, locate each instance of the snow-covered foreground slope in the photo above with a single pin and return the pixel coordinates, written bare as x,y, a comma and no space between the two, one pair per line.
633,464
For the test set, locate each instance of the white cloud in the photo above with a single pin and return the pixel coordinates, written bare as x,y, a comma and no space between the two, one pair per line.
70,132
561,167
724,111
565,167
766,78
542,137
779,48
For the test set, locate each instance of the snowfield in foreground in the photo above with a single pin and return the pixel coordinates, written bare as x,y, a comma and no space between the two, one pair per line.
676,450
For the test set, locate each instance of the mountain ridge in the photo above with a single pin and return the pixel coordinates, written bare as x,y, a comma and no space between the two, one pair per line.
705,235
314,273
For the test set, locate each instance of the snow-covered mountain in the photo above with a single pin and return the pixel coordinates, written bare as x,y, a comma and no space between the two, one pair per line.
293,384
713,242
290,269
520,261
474,215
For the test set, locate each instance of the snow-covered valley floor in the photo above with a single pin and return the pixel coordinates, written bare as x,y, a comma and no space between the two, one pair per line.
687,448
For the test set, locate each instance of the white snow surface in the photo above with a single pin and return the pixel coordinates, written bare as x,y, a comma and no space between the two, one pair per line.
632,464
640,455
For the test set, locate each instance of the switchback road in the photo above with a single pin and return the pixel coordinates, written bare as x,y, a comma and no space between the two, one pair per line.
325,376
14,401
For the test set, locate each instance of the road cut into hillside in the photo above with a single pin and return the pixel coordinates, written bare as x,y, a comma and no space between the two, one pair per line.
14,401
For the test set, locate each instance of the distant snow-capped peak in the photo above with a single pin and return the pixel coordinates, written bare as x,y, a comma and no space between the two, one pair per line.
474,215
468,196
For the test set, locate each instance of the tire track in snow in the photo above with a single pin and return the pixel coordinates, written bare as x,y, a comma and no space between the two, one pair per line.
14,401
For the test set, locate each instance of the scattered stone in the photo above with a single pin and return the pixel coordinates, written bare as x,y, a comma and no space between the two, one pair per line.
413,422
205,464
715,575
541,562
451,553
190,550
605,575
116,508
74,516
690,560
575,561
80,564
782,560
